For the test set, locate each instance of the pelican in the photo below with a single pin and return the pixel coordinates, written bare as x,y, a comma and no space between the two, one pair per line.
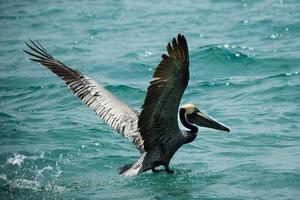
154,130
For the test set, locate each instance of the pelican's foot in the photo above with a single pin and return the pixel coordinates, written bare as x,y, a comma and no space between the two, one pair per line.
169,171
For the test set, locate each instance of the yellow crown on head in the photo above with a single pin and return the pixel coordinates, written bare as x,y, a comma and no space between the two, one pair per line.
189,108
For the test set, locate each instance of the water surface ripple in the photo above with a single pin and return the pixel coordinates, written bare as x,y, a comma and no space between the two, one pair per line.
245,72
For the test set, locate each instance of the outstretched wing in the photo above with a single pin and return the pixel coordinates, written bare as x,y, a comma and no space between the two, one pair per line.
158,119
114,112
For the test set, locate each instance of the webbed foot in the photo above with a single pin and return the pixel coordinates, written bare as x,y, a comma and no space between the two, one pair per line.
169,171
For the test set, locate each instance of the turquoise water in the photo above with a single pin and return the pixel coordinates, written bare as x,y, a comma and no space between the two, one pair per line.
245,72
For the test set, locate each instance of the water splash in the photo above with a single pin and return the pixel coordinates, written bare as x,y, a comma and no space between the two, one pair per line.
16,159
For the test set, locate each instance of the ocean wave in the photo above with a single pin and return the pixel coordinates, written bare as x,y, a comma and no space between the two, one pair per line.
241,55
239,81
223,52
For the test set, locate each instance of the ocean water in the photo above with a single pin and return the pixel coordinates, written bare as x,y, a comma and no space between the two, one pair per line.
245,72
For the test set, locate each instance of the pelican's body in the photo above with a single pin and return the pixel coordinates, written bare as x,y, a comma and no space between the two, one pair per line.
154,131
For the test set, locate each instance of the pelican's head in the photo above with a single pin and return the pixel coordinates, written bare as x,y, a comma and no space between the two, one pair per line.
194,116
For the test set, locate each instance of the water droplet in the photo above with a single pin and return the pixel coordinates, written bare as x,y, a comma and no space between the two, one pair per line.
286,29
148,53
274,35
92,37
60,157
245,21
226,46
237,55
96,144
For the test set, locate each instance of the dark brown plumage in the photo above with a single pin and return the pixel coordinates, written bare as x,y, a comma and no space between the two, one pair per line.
169,82
154,131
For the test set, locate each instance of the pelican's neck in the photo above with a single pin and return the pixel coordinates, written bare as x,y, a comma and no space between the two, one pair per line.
192,133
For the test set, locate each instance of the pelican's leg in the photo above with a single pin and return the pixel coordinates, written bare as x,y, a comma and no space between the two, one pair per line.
168,170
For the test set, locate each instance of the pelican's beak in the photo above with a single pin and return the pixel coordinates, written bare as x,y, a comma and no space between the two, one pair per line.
204,120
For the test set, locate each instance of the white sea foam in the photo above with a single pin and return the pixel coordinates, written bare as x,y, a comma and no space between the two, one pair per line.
16,159
35,186
3,177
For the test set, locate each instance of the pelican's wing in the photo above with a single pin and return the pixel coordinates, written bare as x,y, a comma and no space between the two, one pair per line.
114,112
158,119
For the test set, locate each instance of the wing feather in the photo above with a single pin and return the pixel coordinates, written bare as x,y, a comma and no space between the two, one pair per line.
114,112
158,119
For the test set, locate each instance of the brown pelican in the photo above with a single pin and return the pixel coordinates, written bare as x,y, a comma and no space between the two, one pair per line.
154,131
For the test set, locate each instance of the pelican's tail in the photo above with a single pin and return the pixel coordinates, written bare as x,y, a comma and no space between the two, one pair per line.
124,168
134,169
